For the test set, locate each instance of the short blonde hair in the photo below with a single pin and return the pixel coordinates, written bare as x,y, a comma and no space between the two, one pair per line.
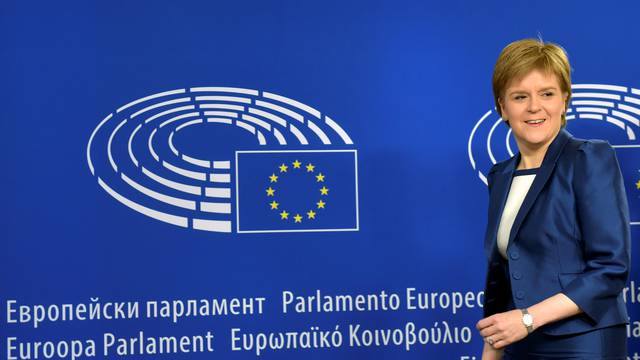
523,56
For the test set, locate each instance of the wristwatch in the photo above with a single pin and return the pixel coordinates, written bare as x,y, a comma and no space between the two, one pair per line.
527,320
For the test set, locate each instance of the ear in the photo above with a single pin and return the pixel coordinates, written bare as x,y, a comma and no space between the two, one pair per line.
500,103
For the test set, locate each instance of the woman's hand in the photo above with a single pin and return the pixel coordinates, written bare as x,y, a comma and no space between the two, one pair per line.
502,329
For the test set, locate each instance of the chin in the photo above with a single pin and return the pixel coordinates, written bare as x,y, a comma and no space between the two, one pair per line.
539,140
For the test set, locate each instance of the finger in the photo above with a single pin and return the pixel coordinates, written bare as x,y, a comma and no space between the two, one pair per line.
500,343
484,323
490,331
491,340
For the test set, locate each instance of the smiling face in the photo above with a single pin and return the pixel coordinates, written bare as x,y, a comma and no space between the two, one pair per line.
533,106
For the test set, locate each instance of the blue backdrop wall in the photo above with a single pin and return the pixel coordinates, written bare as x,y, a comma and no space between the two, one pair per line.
232,180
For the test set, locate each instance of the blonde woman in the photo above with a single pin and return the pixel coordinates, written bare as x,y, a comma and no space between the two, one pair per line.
558,237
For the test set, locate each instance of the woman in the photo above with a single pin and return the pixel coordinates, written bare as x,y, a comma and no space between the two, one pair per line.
558,237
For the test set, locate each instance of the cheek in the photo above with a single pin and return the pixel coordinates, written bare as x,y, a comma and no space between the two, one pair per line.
559,109
518,113
510,110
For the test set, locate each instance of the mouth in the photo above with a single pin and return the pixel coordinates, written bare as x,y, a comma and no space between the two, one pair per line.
535,122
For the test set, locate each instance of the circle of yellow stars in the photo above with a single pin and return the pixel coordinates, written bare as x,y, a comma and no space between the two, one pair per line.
271,191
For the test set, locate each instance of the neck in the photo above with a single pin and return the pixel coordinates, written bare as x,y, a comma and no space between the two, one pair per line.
531,157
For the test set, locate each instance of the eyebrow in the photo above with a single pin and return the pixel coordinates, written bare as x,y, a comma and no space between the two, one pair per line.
525,92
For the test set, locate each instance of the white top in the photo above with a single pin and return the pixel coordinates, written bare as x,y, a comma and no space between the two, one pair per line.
519,188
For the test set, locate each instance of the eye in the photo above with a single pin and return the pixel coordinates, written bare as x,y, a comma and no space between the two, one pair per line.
548,94
519,97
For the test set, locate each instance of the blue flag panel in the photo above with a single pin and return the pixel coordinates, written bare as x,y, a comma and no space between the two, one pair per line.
291,191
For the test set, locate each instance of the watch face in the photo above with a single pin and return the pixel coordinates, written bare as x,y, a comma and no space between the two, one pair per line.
527,319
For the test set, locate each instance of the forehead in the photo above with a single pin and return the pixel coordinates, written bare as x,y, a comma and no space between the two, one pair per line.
536,79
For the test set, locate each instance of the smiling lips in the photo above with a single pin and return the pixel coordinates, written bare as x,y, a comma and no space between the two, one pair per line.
536,122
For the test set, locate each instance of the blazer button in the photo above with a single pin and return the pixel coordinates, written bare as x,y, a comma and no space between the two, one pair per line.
517,275
515,255
520,294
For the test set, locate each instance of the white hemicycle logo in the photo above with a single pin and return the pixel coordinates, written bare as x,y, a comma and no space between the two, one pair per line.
136,157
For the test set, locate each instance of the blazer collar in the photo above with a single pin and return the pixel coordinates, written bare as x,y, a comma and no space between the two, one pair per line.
550,158
502,183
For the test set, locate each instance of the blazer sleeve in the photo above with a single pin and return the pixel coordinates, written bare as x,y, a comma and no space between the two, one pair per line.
602,228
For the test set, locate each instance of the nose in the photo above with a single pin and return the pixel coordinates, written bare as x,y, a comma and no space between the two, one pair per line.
534,104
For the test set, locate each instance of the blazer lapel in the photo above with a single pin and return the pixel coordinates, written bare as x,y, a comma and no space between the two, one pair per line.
548,164
499,192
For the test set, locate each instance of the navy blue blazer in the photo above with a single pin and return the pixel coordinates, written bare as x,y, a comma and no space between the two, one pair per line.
571,236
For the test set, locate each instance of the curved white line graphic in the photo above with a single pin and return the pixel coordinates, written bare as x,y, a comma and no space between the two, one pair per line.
129,149
173,148
489,151
93,134
150,144
197,162
170,111
334,125
151,97
113,134
225,89
293,103
473,131
508,144
155,106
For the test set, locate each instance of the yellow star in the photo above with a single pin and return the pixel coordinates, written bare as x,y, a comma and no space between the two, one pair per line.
270,191
324,191
273,178
321,204
311,214
284,215
638,184
310,167
320,178
283,168
274,205
297,218
296,164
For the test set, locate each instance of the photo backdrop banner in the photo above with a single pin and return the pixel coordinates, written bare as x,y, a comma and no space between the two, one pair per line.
273,179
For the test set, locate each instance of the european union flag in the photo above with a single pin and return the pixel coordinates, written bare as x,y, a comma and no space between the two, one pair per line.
296,191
